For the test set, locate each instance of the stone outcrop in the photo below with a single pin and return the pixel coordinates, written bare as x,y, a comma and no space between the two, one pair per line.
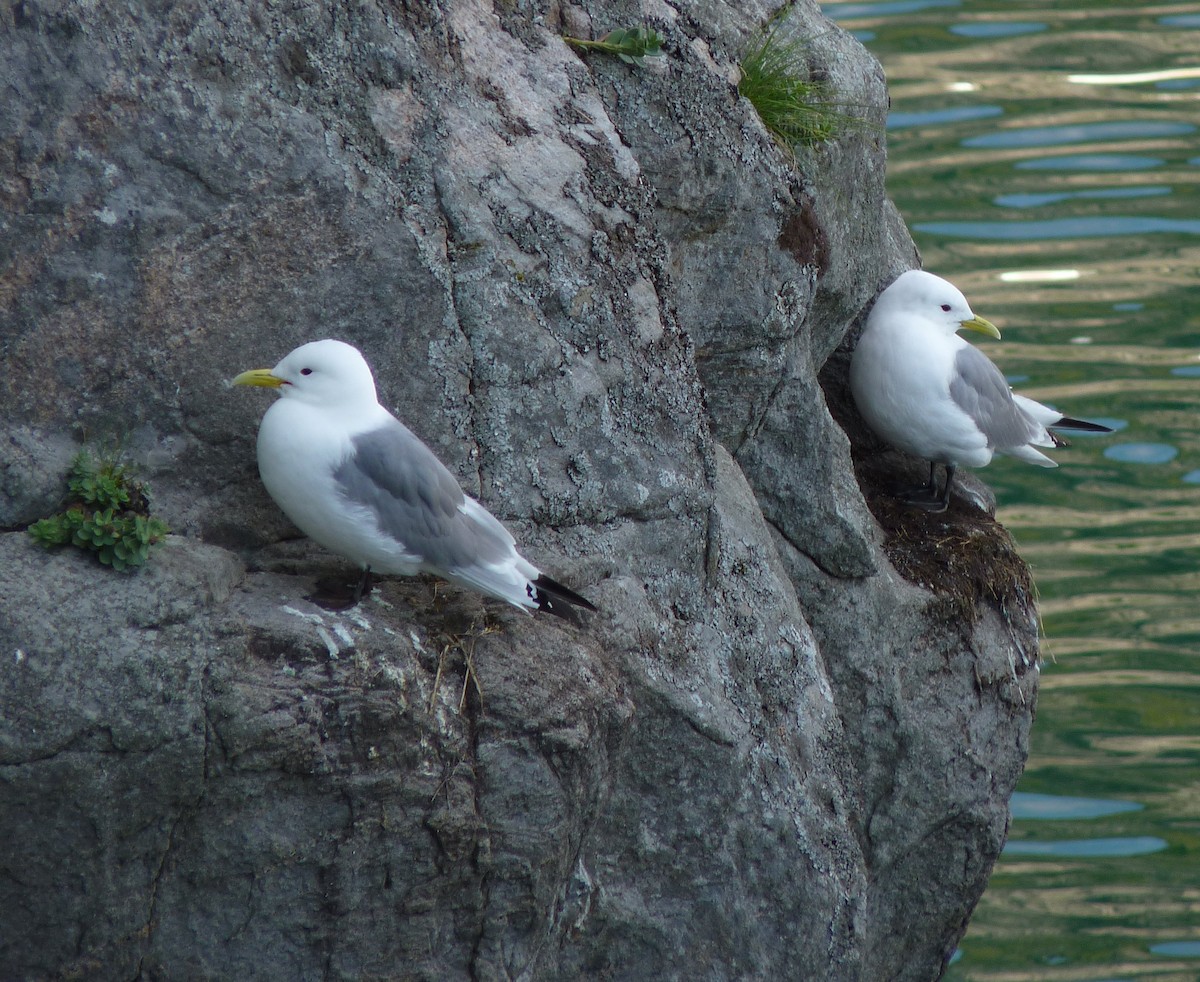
618,311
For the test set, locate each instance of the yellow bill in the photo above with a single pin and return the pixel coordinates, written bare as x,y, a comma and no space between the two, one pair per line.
263,377
974,324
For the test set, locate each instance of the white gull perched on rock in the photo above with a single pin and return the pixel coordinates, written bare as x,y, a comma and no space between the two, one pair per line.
926,391
358,481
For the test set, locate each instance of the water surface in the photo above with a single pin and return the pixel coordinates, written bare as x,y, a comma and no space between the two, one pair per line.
1046,156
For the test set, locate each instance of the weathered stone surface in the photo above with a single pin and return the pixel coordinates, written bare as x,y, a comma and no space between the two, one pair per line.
603,295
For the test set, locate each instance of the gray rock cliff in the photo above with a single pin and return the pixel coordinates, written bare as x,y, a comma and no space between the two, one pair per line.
619,312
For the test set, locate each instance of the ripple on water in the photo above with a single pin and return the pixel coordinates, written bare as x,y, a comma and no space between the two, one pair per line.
997,29
1057,136
1092,162
1120,574
935,117
1177,949
1087,227
1141,453
1186,371
1054,806
850,11
1036,200
1134,845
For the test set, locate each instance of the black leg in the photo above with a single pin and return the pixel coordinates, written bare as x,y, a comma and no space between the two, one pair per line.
950,469
335,593
921,492
364,586
930,500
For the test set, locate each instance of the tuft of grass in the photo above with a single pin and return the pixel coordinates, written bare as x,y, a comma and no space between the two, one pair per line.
631,44
796,110
108,513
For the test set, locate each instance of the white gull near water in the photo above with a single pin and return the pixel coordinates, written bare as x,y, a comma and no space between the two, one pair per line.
926,391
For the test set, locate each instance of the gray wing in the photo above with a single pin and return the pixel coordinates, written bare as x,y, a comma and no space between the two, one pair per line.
416,500
981,391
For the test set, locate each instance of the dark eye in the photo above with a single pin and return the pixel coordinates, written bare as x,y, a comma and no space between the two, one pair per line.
945,307
308,371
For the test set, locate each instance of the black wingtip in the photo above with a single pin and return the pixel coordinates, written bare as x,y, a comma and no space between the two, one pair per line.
554,598
1066,423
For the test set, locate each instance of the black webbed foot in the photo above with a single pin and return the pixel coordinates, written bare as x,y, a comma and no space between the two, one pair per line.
334,593
926,496
934,506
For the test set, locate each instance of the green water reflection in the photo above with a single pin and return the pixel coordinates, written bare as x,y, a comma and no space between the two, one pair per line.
1047,157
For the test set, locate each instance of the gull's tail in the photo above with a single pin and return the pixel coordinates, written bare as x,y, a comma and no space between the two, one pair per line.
1053,418
554,598
1066,423
1045,421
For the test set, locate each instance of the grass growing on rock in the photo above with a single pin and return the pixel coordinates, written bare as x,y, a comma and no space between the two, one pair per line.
797,110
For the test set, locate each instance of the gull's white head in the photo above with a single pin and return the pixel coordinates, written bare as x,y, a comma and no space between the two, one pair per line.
325,373
933,299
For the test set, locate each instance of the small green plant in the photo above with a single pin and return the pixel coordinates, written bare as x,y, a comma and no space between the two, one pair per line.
775,79
631,44
107,513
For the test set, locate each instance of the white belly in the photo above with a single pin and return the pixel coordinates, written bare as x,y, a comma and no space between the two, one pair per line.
903,392
297,459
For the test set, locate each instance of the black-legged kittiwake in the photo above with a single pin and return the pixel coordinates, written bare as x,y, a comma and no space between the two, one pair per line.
925,390
355,479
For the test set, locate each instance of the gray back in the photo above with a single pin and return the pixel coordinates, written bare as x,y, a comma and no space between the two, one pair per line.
981,391
416,499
